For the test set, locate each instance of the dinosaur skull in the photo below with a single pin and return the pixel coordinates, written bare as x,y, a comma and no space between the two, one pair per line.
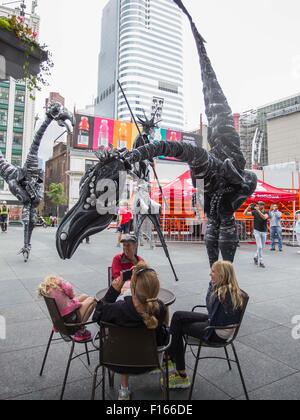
96,207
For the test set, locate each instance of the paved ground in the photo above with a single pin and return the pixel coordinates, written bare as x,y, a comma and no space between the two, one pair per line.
270,357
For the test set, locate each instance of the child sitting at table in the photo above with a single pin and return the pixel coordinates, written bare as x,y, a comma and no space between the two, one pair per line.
74,310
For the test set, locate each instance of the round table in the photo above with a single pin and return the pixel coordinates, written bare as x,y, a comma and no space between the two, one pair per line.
166,296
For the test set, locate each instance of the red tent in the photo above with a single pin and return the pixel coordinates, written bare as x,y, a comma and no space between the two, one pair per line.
269,194
182,189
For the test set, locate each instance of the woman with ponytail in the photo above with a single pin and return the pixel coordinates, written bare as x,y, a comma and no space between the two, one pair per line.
141,308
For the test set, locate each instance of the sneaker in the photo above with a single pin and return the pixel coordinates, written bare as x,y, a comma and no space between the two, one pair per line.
272,249
255,261
178,382
171,369
82,336
124,394
262,265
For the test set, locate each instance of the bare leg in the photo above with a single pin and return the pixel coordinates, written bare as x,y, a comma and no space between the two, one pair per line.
125,381
87,307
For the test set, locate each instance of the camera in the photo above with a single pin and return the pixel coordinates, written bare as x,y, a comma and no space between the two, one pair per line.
127,274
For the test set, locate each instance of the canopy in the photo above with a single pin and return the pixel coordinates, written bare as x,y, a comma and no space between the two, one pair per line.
269,194
182,189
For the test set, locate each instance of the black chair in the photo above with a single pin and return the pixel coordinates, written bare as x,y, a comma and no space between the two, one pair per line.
66,332
134,350
200,343
109,276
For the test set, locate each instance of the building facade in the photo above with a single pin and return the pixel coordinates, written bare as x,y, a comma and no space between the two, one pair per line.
17,117
142,47
278,124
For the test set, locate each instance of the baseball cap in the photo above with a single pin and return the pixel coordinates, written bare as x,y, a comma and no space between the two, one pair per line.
129,238
261,203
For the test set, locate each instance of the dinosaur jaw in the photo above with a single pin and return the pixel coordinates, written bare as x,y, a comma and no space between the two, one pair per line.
95,209
77,225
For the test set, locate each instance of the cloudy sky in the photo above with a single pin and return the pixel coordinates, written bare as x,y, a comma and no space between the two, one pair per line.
254,47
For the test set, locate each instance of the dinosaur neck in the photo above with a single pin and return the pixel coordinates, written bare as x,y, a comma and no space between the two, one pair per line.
222,136
32,157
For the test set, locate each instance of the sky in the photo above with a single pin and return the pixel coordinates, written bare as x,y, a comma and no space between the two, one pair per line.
254,47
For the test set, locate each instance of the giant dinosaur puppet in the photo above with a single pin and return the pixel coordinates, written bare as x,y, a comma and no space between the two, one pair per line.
227,184
26,183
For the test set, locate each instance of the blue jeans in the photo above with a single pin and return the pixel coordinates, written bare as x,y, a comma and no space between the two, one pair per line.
261,239
276,231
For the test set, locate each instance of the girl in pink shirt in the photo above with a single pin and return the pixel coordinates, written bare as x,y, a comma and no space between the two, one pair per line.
74,310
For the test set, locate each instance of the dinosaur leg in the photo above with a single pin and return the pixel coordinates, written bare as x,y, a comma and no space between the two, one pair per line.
212,241
26,222
32,218
228,240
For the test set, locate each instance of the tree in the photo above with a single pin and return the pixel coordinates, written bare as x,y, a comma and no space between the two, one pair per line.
56,194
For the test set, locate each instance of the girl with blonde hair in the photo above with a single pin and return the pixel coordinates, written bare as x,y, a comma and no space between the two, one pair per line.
225,303
141,308
74,310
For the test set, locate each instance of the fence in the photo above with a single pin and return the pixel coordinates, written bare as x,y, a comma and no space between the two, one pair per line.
193,231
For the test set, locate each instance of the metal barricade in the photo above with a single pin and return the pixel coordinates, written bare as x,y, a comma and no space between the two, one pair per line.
193,230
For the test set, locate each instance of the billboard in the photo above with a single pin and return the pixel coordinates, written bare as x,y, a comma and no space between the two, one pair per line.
90,133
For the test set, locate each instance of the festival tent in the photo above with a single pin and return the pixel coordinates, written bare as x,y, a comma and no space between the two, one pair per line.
181,190
269,194
178,195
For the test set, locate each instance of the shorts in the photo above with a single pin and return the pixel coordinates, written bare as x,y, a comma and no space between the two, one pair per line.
125,228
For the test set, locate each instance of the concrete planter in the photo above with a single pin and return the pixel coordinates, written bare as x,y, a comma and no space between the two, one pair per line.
13,57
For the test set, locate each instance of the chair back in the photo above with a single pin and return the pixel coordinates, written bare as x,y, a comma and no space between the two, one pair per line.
243,310
109,276
128,347
57,319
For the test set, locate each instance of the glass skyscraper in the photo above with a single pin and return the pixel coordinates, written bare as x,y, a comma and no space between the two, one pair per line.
142,46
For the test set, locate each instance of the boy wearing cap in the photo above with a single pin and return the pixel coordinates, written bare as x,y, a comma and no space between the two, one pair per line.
4,212
261,218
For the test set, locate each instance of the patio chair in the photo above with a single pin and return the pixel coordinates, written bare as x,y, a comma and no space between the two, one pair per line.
128,348
194,342
109,276
66,331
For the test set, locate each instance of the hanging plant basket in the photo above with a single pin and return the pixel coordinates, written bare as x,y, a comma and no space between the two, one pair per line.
15,56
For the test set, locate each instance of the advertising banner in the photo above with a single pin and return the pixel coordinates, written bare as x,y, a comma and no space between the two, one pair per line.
103,132
83,136
122,135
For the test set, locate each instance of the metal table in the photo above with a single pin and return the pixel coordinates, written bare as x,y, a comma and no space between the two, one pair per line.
166,296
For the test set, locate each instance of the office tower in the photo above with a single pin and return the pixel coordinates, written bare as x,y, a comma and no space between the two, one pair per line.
142,46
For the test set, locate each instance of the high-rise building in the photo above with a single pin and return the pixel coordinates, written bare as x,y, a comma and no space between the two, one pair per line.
17,117
142,47
268,119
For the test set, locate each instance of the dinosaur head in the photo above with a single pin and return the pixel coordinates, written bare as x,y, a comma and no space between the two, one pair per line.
62,116
99,196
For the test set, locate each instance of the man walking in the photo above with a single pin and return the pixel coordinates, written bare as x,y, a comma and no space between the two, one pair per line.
261,218
276,228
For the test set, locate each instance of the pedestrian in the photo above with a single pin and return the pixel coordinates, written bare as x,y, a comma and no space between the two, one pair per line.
297,228
126,218
4,213
261,218
276,228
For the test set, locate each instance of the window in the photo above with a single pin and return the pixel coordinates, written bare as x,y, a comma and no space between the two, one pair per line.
168,87
19,119
17,141
3,117
20,97
4,95
2,139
